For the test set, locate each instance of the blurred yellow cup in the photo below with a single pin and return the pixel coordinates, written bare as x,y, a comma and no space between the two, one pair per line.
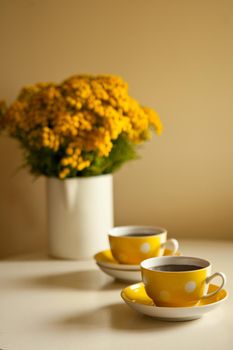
178,280
133,244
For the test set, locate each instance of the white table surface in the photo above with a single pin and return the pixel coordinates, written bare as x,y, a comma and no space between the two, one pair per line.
70,305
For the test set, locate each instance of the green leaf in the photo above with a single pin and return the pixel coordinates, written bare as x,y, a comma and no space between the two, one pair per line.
123,151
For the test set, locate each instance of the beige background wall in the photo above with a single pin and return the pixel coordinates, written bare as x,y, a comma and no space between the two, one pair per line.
177,57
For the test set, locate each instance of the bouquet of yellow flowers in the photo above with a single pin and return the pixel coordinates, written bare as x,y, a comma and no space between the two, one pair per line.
85,126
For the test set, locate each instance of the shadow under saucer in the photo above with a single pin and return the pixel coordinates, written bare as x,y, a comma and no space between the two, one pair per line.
88,280
118,317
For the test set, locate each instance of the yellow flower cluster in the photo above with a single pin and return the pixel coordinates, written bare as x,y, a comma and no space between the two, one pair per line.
83,114
73,159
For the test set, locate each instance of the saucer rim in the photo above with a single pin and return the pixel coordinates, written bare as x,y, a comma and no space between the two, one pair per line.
117,266
168,308
115,269
128,277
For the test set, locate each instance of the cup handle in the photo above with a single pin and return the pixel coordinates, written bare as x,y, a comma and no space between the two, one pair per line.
208,279
174,243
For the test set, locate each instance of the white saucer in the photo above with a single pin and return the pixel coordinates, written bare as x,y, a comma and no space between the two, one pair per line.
123,272
135,296
122,275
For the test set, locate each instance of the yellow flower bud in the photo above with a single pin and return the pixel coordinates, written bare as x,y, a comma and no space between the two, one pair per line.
69,151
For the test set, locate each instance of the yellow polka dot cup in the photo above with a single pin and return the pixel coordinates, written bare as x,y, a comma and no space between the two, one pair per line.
178,281
133,244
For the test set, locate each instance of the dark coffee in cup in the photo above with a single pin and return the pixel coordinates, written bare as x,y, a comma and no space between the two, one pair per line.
137,234
175,267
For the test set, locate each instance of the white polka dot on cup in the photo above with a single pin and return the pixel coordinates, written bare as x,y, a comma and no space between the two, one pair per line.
190,286
145,247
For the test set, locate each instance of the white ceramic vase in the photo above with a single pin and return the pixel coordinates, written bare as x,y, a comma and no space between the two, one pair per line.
79,215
